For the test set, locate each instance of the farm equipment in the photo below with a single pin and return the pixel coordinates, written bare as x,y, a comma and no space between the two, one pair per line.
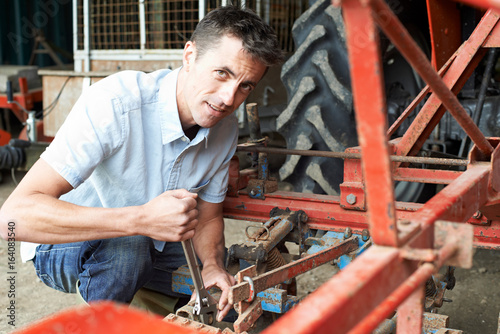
390,251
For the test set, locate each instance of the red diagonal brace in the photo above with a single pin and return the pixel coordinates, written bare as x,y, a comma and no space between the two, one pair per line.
340,303
401,38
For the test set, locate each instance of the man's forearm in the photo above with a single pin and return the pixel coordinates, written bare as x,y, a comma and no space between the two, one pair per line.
209,242
43,219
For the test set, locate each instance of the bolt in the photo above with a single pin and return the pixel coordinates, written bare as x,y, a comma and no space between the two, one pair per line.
303,217
253,192
365,235
347,233
477,215
351,199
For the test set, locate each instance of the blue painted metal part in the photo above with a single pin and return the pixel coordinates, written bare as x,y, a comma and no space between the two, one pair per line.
182,281
276,300
273,300
332,238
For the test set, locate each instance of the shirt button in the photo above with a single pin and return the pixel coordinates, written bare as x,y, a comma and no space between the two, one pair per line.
184,139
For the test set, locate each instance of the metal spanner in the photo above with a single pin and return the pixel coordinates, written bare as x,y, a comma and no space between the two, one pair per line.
205,305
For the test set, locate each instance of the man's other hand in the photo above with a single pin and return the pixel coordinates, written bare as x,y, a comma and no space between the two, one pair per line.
172,216
213,275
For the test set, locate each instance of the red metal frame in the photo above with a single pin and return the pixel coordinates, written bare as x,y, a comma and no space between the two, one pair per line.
26,97
360,297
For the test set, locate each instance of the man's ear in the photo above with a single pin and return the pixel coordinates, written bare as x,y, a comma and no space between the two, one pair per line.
189,55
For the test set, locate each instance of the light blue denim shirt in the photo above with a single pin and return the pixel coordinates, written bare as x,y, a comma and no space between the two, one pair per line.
122,145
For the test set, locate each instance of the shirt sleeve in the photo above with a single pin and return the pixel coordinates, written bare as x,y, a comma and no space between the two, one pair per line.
92,131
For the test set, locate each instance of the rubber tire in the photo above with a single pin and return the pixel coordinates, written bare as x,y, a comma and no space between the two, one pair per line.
319,115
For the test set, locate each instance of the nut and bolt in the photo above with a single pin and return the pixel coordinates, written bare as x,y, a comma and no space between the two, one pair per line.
347,233
365,235
477,215
351,199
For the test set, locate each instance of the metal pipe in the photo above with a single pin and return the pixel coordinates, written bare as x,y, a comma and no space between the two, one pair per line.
142,24
86,35
202,9
19,47
398,34
476,116
253,121
343,155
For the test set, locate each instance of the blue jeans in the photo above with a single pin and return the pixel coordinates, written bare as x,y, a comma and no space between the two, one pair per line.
109,269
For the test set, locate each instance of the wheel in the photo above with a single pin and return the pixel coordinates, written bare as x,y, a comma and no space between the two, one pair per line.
319,114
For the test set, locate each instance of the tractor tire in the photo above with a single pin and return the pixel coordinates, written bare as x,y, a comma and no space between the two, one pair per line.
319,114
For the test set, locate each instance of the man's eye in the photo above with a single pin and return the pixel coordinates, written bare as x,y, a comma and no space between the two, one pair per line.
246,87
221,73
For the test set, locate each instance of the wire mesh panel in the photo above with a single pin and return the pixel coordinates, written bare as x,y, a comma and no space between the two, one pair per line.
79,24
115,24
283,14
170,23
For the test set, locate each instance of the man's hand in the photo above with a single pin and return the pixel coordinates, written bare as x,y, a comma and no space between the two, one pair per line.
213,275
172,216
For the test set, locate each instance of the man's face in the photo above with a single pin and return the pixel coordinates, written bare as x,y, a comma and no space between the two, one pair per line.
212,86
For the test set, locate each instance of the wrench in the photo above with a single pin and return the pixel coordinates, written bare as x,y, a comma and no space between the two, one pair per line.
205,305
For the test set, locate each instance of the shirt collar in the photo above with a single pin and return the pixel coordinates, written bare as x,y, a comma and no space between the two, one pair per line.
170,123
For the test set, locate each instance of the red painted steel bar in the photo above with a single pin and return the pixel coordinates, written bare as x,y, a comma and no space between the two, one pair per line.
25,97
241,291
483,3
398,34
459,200
371,120
436,176
339,304
325,213
411,312
420,97
466,59
382,311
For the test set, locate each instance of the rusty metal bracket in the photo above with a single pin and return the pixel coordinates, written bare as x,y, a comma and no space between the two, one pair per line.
241,291
266,237
250,309
453,245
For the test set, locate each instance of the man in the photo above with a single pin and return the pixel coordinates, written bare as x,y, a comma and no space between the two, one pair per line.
141,164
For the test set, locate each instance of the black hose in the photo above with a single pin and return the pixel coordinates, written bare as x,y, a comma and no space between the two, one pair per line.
11,157
476,116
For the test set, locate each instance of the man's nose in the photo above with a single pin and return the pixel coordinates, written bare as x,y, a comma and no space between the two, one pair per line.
228,93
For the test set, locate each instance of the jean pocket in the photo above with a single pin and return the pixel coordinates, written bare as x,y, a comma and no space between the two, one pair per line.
48,281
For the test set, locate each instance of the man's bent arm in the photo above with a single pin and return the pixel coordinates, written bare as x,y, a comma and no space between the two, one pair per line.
40,216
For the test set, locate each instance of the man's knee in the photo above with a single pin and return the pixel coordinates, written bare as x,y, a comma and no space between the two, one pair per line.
117,268
129,254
